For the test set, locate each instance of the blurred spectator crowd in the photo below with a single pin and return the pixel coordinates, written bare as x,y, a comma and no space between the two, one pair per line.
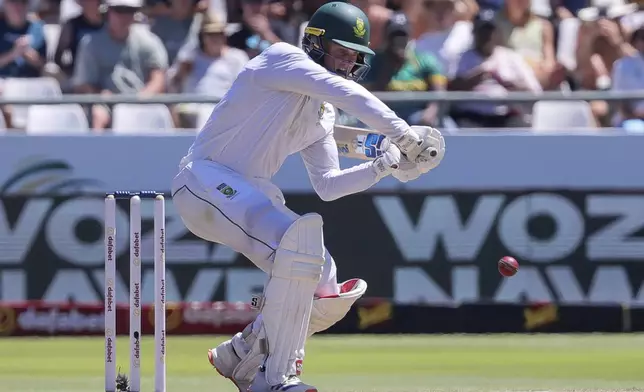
151,47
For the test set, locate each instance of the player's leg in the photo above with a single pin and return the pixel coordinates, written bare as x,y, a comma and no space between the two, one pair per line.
285,314
223,207
332,302
220,206
226,358
286,306
326,311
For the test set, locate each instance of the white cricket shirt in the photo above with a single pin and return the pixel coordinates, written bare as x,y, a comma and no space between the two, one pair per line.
281,104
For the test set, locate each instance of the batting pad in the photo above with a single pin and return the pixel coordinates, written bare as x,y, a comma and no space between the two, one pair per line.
288,296
329,310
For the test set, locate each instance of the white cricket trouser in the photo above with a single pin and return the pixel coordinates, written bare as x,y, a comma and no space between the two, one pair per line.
246,214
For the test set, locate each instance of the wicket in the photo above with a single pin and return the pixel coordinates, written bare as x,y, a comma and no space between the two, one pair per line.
134,382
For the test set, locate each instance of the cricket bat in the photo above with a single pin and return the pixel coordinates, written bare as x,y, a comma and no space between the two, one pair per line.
358,143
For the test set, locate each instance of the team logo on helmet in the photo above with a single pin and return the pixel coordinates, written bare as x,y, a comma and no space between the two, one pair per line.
359,29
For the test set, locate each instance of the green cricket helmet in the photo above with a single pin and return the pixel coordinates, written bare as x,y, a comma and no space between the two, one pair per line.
343,24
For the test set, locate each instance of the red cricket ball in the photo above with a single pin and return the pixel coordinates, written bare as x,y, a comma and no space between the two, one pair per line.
508,266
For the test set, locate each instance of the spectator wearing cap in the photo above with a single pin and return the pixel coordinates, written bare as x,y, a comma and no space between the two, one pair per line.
444,35
23,49
258,31
533,38
120,59
91,19
600,43
395,68
210,70
491,69
628,75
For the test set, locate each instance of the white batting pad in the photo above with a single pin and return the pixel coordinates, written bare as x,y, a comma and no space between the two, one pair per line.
329,310
326,311
288,296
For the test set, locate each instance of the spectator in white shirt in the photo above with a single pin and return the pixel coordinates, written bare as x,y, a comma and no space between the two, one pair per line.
209,69
628,75
493,70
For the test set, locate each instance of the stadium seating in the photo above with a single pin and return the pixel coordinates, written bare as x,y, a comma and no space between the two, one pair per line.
56,119
141,119
19,88
562,116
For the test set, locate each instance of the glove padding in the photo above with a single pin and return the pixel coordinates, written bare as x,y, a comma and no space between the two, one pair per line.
423,145
407,170
389,161
434,141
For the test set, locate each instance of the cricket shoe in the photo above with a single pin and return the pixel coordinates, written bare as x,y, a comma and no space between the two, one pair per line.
239,358
292,384
224,359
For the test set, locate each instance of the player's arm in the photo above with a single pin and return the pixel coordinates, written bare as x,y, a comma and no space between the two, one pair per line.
331,183
292,70
286,68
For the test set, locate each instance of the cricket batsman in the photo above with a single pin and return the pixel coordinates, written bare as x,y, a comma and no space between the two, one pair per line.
282,103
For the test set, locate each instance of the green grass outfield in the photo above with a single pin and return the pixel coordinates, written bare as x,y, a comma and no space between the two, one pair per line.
356,363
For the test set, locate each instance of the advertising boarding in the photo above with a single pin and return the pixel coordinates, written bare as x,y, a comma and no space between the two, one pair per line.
574,220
